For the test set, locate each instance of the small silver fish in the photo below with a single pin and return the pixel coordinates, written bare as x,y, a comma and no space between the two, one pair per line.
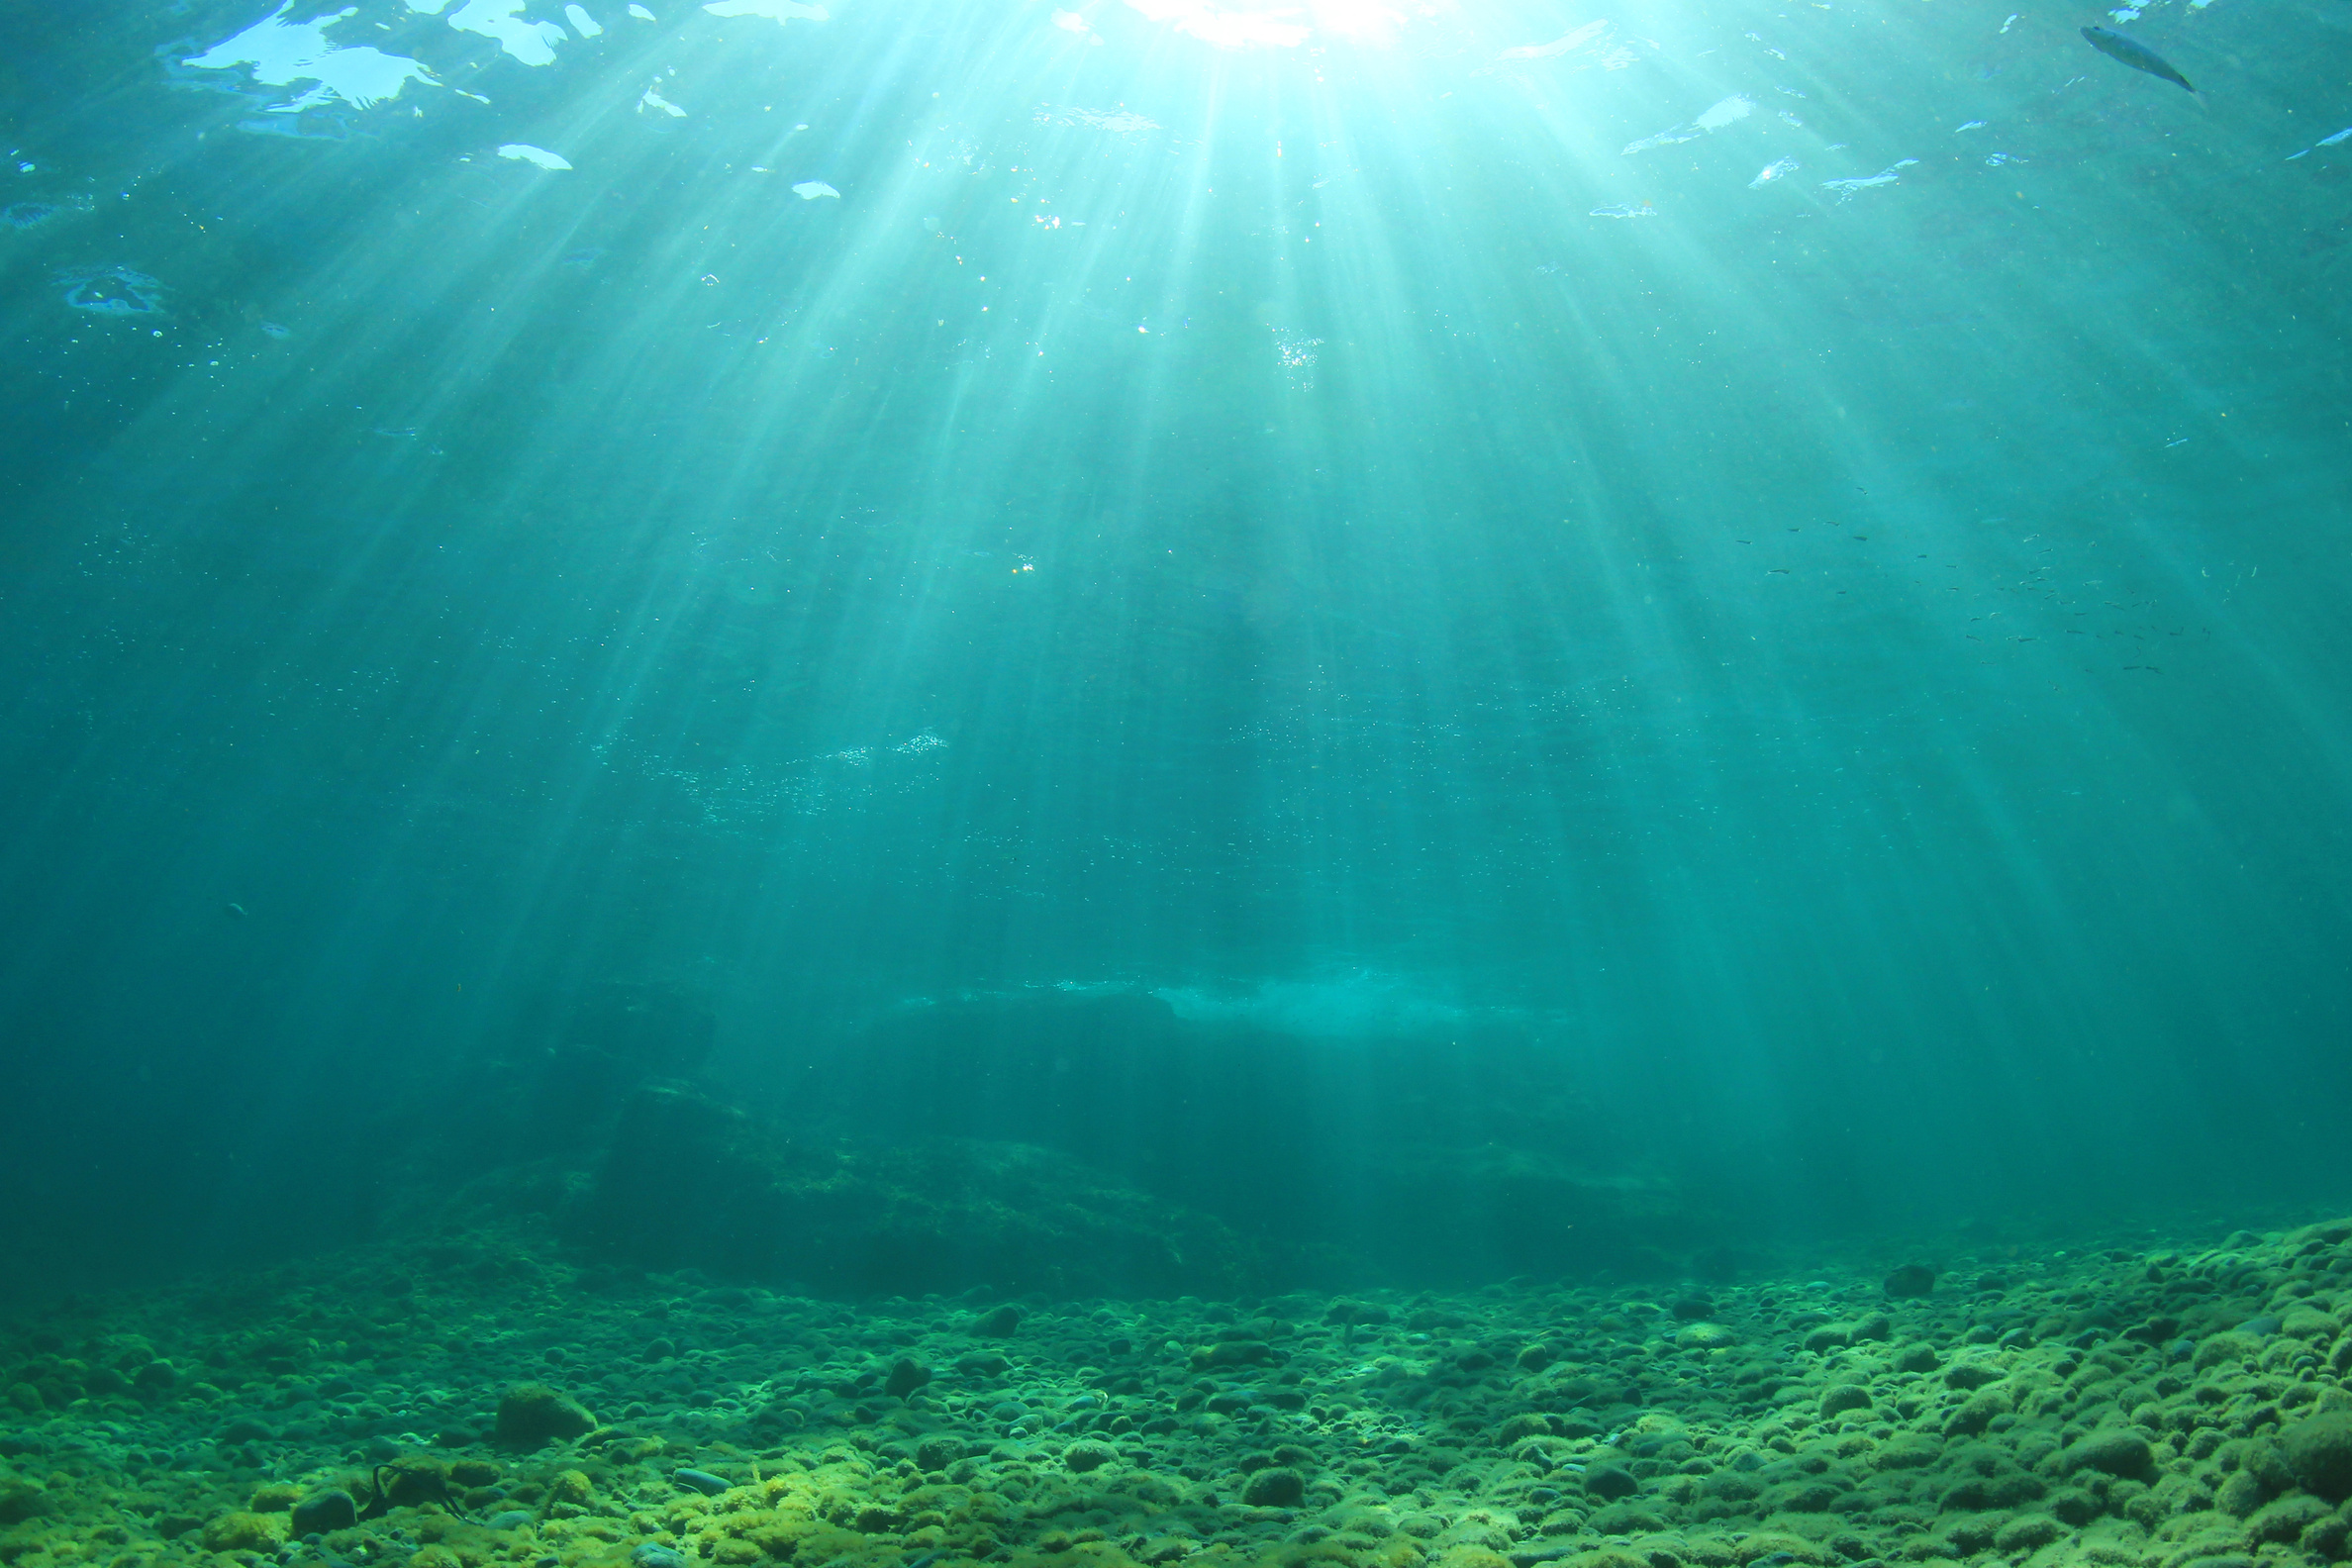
2134,54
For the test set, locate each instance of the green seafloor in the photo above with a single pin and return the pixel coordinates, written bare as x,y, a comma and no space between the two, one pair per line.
913,782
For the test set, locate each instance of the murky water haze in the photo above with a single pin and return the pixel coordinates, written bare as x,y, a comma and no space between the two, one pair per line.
1770,573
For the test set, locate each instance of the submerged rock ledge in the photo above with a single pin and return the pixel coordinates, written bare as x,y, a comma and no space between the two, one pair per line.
480,1401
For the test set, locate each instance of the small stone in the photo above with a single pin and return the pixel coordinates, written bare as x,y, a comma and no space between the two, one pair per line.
905,1378
1911,1282
533,1414
999,1324
1535,1357
701,1481
508,1519
1704,1336
325,1513
1278,1487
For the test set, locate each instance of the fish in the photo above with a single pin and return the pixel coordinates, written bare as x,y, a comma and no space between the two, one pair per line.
2134,54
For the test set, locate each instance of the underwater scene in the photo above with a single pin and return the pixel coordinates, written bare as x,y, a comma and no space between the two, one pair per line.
1123,783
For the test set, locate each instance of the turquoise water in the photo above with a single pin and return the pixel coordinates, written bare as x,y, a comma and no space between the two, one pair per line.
1744,598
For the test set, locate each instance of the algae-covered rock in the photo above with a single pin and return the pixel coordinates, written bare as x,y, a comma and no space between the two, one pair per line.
324,1513
533,1414
1518,1428
1983,1407
1611,1481
2225,1349
2027,1532
2309,1323
244,1530
2327,1538
2318,1450
21,1499
1001,1324
1278,1486
2287,1519
1843,1396
2113,1451
1085,1456
1911,1282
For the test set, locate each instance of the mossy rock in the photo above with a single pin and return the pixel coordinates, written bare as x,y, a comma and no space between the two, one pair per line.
21,1501
2225,1349
2111,1451
1521,1427
2318,1450
1773,1543
244,1530
2287,1519
1477,1557
1906,1451
1840,1398
1626,1518
533,1414
2027,1532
